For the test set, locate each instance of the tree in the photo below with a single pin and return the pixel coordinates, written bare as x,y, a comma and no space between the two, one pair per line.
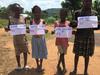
97,6
72,5
44,14
3,12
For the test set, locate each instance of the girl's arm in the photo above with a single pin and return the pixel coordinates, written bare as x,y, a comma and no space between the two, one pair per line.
27,29
55,24
73,24
31,22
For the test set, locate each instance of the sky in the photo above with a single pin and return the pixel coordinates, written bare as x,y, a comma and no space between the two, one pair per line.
28,4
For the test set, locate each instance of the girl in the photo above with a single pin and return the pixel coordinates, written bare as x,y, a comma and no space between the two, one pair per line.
20,42
39,49
62,43
84,39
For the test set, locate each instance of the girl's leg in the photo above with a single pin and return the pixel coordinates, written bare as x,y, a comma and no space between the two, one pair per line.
76,59
37,62
59,61
40,66
63,61
25,59
41,61
18,60
86,65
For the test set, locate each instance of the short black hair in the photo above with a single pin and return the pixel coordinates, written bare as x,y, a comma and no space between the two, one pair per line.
35,7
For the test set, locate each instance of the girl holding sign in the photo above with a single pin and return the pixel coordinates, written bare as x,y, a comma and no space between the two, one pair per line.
20,42
84,39
62,42
39,49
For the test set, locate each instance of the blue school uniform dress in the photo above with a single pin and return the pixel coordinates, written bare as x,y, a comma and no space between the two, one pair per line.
39,49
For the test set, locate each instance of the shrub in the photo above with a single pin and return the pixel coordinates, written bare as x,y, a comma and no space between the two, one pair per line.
50,20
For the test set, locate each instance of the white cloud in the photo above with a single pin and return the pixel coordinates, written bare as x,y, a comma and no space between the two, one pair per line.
28,4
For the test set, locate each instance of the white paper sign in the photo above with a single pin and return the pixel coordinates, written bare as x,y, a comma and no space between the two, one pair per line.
18,29
37,29
87,22
63,32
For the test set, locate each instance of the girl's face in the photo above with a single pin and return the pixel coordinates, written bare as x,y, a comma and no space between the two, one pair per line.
37,13
87,4
63,15
17,14
14,14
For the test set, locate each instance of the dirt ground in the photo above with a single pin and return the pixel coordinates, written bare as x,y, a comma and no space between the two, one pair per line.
8,62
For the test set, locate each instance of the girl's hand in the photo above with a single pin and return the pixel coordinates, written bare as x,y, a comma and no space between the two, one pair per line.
73,24
73,32
27,30
6,29
46,31
52,32
98,28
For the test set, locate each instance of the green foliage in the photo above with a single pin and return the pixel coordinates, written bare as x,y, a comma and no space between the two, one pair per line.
50,20
3,12
44,14
96,6
72,5
69,18
28,13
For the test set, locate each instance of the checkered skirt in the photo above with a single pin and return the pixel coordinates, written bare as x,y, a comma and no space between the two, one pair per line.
84,44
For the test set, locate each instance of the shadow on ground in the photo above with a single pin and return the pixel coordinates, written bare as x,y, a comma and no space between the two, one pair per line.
31,71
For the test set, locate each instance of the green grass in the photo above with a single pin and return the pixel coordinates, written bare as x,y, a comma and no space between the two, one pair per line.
3,22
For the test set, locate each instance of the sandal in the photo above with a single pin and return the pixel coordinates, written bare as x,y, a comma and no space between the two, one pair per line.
64,70
18,68
73,73
26,68
58,68
39,69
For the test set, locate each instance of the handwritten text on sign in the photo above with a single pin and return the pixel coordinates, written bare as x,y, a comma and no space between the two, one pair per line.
63,32
18,29
37,29
87,22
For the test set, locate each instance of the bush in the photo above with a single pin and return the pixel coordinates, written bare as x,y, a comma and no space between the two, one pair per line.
50,20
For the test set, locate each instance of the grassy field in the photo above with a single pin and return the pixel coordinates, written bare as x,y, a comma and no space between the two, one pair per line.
3,22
